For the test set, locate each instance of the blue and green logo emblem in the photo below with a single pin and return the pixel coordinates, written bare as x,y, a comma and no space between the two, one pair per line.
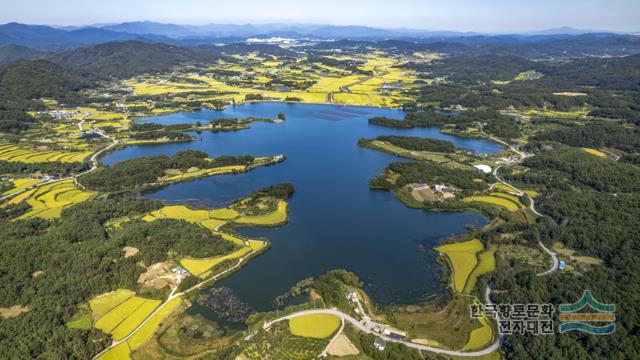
600,322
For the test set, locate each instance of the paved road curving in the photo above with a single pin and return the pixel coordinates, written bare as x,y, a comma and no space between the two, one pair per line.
368,329
532,203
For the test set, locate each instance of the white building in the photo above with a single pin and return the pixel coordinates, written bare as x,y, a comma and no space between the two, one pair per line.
484,169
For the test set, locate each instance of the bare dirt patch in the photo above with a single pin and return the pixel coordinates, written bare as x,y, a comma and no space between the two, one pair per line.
424,195
130,251
11,312
158,276
570,255
342,346
427,342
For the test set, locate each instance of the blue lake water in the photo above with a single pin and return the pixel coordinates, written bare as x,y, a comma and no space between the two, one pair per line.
336,220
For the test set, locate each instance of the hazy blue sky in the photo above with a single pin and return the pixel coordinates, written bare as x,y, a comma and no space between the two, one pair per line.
473,15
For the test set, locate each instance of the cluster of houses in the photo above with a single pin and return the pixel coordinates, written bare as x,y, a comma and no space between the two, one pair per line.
382,330
446,191
62,114
352,296
379,342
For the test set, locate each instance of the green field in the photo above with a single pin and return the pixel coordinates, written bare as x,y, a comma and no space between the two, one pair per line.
123,350
21,184
212,219
150,327
448,326
122,319
317,326
82,320
102,304
595,152
486,264
201,267
506,201
503,187
480,337
272,219
463,260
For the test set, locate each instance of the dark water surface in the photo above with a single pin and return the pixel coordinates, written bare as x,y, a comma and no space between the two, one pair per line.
335,221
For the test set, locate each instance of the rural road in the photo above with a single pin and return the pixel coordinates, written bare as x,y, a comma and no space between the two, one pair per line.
368,329
532,203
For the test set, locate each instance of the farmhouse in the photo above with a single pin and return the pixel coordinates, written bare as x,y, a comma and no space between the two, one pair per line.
379,343
420,186
390,85
444,189
180,272
395,334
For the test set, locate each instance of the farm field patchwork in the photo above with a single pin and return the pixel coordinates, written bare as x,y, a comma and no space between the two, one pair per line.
311,82
102,304
14,153
48,201
21,184
124,349
212,219
126,317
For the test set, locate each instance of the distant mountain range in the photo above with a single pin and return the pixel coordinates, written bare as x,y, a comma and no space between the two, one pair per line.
48,38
